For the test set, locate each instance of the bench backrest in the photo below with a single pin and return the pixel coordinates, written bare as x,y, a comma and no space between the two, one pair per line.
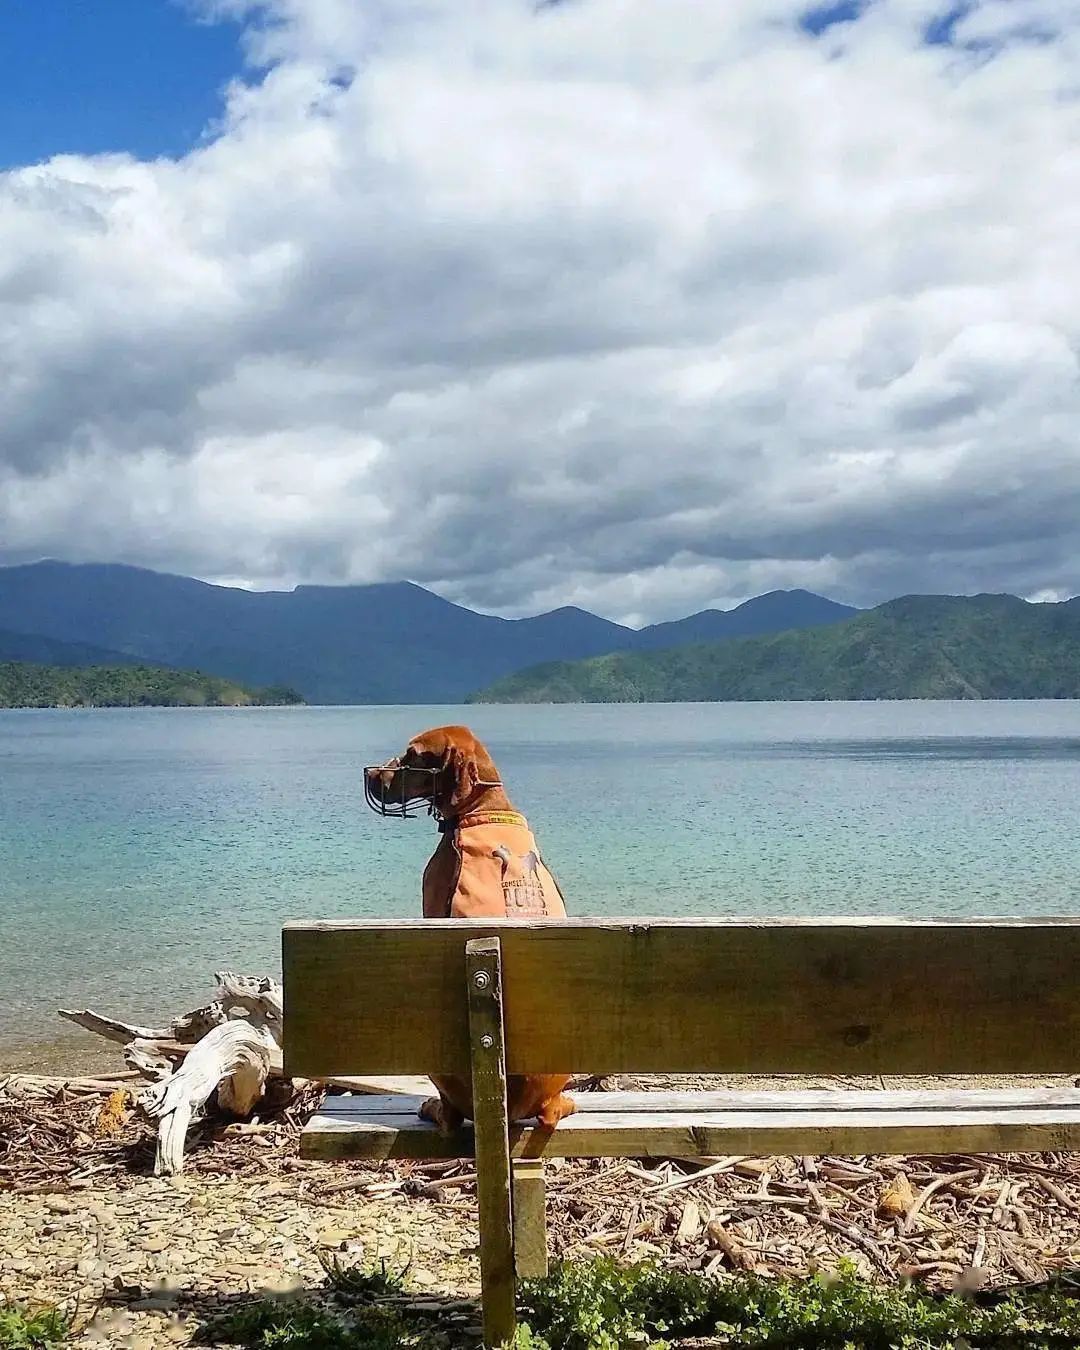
852,996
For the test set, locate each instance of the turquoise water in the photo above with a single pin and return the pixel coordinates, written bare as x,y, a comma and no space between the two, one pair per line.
142,850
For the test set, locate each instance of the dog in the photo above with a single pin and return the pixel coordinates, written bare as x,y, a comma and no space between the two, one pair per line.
486,865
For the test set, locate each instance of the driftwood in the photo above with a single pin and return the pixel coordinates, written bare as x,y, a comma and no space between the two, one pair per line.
234,1060
229,1047
35,1086
261,998
221,1055
149,1059
155,1057
186,1029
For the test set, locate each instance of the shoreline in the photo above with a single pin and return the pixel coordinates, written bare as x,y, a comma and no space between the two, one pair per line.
73,1056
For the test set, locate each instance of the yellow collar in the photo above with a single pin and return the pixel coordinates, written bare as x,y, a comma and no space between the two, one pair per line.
491,818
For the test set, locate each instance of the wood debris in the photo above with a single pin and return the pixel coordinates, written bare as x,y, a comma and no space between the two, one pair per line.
960,1221
975,1221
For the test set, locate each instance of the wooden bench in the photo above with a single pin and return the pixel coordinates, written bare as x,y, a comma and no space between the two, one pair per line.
853,997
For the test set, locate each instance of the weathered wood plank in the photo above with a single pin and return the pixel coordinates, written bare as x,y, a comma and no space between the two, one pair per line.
388,1087
707,1133
530,1220
829,1099
809,996
818,1099
497,1276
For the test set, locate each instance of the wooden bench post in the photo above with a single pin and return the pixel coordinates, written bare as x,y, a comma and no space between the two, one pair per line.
483,972
530,1219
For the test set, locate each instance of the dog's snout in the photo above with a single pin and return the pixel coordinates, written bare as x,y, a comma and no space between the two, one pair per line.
383,773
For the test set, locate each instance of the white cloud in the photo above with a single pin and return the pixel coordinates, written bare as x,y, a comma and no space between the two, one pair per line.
635,306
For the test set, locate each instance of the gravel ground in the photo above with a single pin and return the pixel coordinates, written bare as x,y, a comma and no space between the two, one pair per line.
144,1265
144,1262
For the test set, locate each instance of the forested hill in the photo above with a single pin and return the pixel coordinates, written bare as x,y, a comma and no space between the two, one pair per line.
25,685
920,646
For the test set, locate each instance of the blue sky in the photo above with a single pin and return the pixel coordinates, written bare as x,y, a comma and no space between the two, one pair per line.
86,76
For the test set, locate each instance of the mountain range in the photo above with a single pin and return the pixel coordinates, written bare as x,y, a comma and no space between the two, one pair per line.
37,650
919,646
387,643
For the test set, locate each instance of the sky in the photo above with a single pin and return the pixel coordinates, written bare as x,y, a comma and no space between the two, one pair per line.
93,76
641,307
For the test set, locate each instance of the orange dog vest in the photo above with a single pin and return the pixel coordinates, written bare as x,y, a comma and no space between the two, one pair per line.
500,872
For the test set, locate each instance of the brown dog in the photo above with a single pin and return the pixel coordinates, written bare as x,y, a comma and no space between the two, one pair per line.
486,866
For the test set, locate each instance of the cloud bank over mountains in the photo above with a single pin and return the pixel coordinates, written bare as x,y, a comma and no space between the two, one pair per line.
635,306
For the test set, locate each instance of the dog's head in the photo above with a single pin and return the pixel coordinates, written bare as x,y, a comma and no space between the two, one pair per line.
444,769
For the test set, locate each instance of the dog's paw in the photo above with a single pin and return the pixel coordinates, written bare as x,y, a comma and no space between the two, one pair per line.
439,1112
555,1110
431,1111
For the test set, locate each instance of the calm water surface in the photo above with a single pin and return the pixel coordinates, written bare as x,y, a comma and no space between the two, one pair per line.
142,850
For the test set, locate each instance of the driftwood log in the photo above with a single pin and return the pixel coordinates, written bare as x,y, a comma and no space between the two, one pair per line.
234,1060
186,1029
223,1054
230,1047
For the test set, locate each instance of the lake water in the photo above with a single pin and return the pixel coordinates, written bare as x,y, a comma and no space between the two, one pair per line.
141,850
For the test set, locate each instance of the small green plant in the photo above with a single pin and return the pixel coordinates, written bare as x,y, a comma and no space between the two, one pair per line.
24,1329
364,1283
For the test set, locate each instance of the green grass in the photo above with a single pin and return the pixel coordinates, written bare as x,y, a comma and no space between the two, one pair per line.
600,1305
26,1329
352,1321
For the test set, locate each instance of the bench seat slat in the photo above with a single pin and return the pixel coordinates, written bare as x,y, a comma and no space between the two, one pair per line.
801,1099
919,1122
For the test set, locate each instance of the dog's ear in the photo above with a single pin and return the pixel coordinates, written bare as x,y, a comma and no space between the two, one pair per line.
462,773
464,764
